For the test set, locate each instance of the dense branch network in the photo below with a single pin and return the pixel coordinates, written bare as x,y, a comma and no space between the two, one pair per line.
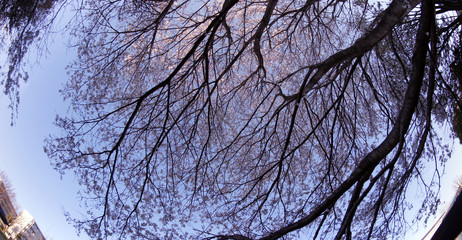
253,120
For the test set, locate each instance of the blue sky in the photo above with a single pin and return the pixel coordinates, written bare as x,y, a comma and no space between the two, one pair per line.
40,189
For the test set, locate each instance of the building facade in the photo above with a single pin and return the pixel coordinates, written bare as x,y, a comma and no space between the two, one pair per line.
14,226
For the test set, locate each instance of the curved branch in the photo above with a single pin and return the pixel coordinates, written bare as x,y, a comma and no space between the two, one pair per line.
391,16
367,165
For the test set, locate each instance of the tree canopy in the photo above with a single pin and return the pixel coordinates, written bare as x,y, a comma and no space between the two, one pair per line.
258,119
21,21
